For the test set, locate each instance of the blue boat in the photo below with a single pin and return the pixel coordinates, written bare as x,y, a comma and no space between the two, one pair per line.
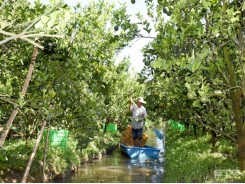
140,152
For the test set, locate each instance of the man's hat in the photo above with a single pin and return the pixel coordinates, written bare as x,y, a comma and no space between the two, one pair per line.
140,99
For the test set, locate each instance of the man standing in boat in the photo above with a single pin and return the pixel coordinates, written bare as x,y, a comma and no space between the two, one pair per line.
137,122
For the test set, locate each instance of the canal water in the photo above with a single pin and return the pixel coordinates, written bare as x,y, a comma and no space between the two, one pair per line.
118,168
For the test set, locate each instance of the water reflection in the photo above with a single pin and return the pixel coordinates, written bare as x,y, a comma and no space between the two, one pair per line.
151,170
119,168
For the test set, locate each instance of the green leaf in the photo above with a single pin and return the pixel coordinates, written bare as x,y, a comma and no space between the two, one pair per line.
67,16
44,19
190,66
52,20
201,93
203,54
196,83
196,65
206,4
38,25
62,25
4,24
20,100
53,2
243,6
156,64
188,86
196,103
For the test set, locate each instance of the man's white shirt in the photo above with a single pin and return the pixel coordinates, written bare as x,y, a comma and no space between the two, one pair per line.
137,120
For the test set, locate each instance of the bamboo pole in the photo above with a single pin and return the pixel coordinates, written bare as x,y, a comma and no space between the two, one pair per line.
33,153
45,155
23,92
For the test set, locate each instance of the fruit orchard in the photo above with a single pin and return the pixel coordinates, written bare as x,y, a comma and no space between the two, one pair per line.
57,65
197,63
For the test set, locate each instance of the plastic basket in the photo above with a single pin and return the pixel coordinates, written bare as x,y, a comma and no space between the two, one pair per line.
111,127
175,125
57,137
178,125
170,121
181,127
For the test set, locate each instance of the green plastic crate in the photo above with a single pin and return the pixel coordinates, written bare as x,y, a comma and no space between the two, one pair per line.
175,125
181,127
57,137
178,125
170,121
111,127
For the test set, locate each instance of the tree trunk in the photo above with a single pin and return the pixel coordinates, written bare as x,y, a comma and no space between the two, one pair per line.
241,150
23,92
213,139
240,129
241,94
236,95
195,130
33,153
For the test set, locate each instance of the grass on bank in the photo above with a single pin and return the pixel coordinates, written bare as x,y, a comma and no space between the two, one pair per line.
189,158
15,154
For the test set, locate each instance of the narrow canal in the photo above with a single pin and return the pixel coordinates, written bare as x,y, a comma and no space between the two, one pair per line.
118,168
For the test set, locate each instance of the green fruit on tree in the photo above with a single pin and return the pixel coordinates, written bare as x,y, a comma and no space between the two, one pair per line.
116,28
116,37
68,102
132,1
156,94
190,95
204,99
164,10
169,13
161,105
218,93
107,101
63,93
63,105
98,72
76,97
67,64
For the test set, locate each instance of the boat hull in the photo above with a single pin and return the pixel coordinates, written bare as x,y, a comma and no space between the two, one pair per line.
140,152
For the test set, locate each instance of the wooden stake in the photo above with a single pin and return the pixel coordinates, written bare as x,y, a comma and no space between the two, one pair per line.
24,89
33,153
45,155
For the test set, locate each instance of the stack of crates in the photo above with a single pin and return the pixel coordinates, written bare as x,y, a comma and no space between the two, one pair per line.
57,137
127,140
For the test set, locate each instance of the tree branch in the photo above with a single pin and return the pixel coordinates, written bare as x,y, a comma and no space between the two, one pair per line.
6,100
25,37
221,132
24,33
2,6
39,18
